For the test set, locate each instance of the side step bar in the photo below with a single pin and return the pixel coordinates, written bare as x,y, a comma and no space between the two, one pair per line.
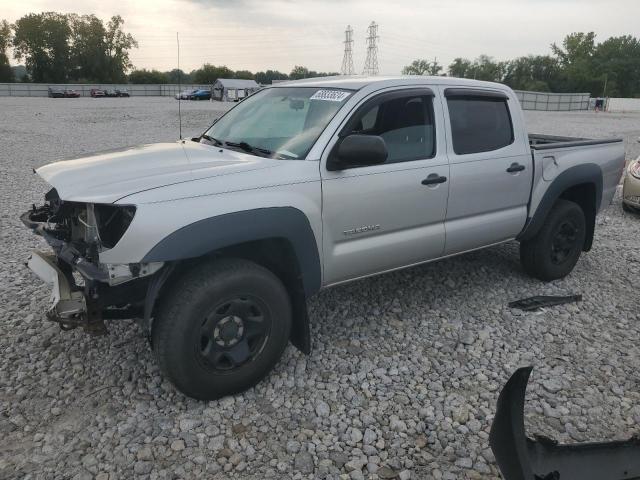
521,458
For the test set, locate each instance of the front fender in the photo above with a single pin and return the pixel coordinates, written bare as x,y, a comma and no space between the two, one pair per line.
211,234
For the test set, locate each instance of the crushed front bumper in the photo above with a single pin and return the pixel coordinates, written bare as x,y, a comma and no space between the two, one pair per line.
88,305
521,458
68,305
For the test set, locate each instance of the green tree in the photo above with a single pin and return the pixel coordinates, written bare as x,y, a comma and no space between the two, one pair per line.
178,76
616,61
42,39
208,74
118,43
88,48
482,68
576,58
485,68
59,47
299,72
266,78
6,73
422,67
541,73
148,76
243,74
20,73
461,68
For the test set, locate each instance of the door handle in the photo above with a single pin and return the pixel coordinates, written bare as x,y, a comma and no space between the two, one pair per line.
515,167
433,179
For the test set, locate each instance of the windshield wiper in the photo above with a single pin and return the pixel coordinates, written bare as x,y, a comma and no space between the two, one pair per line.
248,148
215,141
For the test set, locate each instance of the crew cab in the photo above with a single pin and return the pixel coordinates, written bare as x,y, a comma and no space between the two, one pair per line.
215,243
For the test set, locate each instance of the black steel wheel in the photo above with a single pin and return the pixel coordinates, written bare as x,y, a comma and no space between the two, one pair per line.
221,327
564,242
233,333
554,251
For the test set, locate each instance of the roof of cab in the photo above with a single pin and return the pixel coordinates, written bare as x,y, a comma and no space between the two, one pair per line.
359,82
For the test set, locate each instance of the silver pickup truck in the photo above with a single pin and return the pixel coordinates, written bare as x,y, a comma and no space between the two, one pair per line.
215,243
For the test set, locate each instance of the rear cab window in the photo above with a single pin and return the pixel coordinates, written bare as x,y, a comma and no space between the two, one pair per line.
480,120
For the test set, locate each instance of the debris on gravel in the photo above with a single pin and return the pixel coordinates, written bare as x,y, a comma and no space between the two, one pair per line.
405,370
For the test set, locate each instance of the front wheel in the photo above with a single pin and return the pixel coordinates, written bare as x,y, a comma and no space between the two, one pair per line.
556,248
222,328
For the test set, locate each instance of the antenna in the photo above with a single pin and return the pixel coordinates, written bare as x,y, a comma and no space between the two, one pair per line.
347,60
371,63
179,89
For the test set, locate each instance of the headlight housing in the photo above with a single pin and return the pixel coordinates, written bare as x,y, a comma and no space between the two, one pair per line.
112,222
634,169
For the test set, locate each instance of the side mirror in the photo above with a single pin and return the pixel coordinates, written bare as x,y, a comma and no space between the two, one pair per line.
358,151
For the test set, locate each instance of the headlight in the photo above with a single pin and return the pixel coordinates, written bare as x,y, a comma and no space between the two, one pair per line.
112,222
634,169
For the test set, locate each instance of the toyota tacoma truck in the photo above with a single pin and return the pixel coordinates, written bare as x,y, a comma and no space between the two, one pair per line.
215,243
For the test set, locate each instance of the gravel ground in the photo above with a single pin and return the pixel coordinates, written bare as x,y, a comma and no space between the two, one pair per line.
405,369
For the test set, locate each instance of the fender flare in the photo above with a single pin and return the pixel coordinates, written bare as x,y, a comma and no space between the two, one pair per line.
213,233
589,173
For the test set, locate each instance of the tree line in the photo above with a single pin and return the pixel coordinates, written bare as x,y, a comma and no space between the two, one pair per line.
208,74
59,48
578,64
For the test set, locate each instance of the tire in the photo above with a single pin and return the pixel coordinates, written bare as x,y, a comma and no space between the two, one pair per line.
556,248
221,328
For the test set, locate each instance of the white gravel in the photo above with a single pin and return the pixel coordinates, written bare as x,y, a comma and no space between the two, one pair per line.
405,370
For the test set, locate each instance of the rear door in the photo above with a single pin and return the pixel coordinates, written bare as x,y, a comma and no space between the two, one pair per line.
491,168
381,217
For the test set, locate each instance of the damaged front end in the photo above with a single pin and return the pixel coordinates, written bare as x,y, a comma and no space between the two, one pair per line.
522,458
86,291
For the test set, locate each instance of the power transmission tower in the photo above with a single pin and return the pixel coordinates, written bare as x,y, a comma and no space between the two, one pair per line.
371,63
347,60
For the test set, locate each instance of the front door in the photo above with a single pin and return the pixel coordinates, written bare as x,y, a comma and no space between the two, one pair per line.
382,217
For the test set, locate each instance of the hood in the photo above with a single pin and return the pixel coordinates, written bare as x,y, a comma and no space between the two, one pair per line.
108,176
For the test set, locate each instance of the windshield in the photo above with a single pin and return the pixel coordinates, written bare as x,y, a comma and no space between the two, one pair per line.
278,122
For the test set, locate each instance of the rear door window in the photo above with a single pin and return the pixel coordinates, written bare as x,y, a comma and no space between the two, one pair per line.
479,124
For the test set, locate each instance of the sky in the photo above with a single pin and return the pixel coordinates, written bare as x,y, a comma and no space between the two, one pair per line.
278,34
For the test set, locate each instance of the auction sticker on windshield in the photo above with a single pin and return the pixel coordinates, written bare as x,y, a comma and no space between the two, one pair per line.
330,95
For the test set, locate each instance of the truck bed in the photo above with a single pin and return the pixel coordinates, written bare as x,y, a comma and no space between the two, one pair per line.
553,155
550,142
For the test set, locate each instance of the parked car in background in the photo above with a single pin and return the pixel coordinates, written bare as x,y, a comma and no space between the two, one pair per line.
55,92
68,93
200,95
217,243
123,92
108,92
96,92
185,94
631,187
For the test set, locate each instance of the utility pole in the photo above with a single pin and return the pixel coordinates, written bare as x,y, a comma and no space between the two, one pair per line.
371,63
347,59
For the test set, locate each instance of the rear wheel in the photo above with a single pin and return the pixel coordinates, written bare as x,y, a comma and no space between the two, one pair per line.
222,327
556,248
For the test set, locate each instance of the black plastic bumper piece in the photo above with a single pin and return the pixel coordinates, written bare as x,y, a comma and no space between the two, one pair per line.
521,458
531,304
